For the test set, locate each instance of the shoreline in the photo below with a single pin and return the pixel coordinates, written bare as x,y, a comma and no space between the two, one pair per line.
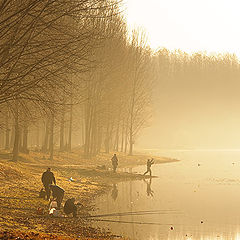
21,180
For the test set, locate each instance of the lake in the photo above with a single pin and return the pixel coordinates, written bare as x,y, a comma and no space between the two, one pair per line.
195,198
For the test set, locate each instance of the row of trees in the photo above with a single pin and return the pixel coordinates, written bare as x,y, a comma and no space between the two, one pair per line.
70,67
70,75
199,75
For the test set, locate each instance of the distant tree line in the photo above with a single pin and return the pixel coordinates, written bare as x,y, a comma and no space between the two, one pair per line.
70,73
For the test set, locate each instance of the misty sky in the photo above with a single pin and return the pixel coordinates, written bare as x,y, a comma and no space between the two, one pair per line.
190,25
189,115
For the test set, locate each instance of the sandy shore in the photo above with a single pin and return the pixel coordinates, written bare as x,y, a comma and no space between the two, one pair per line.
20,184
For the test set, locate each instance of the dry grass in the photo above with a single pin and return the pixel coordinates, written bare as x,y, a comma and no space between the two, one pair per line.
20,183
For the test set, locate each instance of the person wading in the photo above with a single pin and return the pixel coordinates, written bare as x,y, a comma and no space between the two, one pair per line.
47,179
149,164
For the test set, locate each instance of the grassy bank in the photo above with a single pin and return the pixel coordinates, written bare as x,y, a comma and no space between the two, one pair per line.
20,183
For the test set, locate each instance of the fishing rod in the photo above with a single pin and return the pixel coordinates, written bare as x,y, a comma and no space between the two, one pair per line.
134,213
126,222
20,198
120,215
142,223
17,208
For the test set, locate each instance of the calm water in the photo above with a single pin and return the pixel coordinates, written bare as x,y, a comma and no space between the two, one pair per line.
198,197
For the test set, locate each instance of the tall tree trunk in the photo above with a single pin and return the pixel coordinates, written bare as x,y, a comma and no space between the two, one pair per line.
20,139
126,137
130,141
99,144
12,136
107,140
37,136
122,142
111,138
46,137
25,139
62,131
1,138
17,133
7,133
83,132
88,126
51,143
94,135
116,145
131,119
70,128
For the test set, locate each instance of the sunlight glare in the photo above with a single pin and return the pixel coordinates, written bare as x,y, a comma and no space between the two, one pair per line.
188,25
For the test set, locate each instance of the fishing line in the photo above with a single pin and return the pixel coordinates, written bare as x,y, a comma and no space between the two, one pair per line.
19,198
145,223
135,213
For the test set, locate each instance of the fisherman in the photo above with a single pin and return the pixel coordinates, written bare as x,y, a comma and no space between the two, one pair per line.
149,164
57,193
70,207
47,179
114,162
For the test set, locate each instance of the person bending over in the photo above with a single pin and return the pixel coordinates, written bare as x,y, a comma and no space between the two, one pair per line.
70,207
57,194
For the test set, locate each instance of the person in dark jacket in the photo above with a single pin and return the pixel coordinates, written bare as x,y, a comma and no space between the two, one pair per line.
70,207
57,194
47,179
114,162
149,164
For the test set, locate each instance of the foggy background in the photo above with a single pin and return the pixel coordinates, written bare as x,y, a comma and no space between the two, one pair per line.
193,114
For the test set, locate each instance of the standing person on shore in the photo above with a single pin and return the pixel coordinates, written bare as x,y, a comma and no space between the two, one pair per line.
47,179
150,162
57,193
114,162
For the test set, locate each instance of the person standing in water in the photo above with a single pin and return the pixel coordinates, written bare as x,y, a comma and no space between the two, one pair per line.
150,162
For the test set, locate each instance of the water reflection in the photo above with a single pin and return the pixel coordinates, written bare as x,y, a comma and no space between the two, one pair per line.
201,194
149,190
114,192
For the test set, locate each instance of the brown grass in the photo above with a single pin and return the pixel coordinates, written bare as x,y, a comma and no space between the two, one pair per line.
20,183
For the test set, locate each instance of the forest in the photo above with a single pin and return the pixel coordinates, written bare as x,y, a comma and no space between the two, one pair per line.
73,75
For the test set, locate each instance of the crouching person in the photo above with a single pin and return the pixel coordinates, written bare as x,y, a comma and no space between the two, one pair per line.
53,212
70,207
57,194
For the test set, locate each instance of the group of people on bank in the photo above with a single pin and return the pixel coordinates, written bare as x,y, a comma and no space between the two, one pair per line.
49,183
51,188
